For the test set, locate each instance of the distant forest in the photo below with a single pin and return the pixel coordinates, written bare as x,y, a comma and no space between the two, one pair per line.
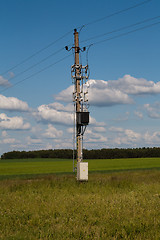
87,154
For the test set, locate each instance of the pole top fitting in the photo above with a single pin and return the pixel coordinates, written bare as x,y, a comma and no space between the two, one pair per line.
75,30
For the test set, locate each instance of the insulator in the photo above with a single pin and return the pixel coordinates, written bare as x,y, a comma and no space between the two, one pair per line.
78,77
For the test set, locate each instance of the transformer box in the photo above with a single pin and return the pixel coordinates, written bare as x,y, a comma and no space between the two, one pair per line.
83,118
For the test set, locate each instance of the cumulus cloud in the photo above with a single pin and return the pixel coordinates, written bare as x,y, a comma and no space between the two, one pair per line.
60,107
125,136
50,115
99,94
99,129
4,134
12,104
138,114
70,130
65,95
93,122
4,82
153,110
93,137
59,114
135,86
31,140
52,132
65,144
12,123
152,138
9,140
116,129
6,139
113,92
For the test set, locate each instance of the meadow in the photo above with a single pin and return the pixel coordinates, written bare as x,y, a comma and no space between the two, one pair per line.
41,199
28,167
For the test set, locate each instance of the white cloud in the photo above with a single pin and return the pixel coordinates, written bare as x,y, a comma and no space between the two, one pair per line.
4,134
64,145
116,129
60,107
125,136
62,115
4,82
113,92
138,114
47,114
152,138
65,95
9,140
31,140
93,137
12,123
12,104
70,130
93,122
99,94
52,132
131,85
153,110
99,129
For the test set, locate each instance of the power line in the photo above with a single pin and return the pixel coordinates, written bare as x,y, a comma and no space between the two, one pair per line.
36,53
118,12
124,34
120,29
94,43
54,42
34,74
44,59
89,23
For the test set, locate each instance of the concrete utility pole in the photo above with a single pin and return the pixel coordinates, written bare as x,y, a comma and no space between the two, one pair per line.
78,100
80,76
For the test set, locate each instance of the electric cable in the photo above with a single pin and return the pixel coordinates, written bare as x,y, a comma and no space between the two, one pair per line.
122,28
74,125
92,22
118,12
89,23
44,59
34,74
36,53
123,34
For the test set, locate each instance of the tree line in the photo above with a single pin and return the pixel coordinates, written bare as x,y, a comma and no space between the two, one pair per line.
87,154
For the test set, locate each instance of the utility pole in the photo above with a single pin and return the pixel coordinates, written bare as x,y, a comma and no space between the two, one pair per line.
80,76
78,104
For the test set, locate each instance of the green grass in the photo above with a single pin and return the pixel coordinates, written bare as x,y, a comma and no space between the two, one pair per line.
40,199
34,166
17,167
123,205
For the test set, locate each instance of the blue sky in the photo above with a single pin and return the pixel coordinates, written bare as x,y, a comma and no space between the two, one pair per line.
124,74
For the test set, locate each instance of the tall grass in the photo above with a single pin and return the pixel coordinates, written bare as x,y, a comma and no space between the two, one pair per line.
124,205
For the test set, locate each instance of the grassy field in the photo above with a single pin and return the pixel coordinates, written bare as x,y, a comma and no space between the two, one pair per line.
19,167
111,205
